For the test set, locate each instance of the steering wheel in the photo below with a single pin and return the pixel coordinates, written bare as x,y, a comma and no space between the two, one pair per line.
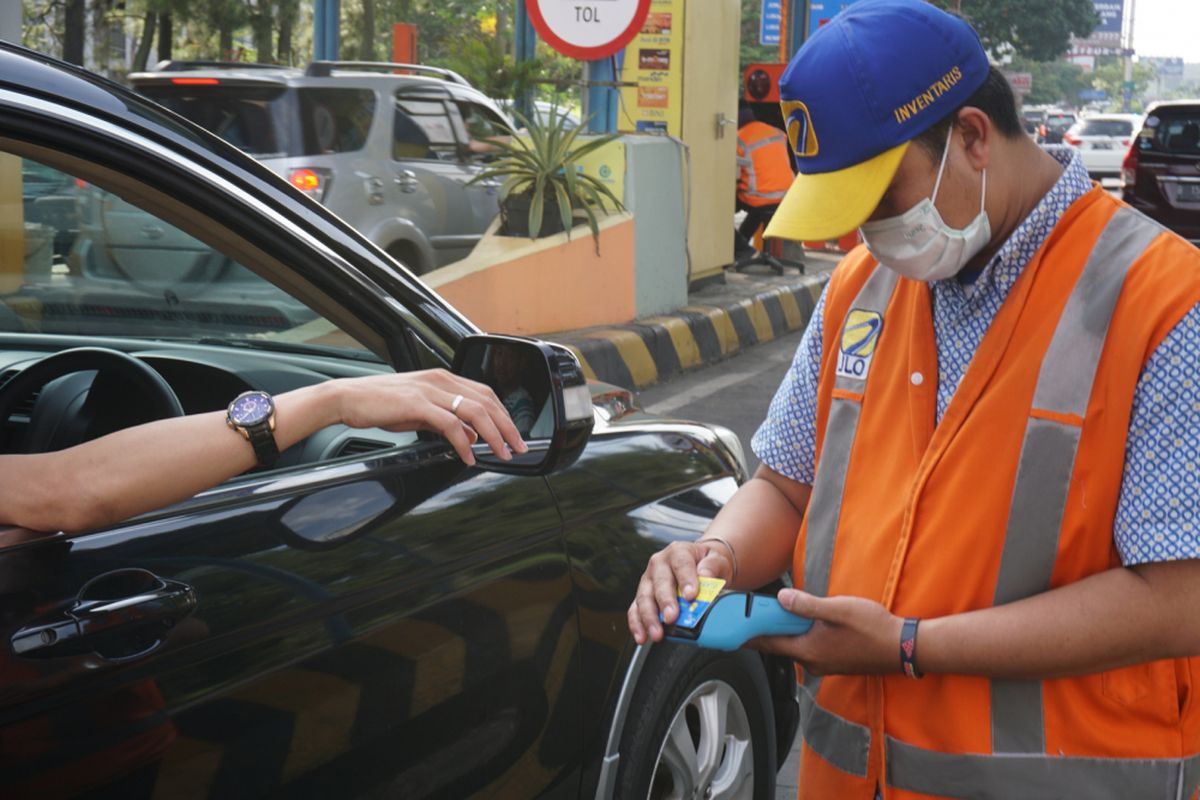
119,376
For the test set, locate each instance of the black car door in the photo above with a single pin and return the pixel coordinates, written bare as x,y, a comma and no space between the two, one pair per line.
396,626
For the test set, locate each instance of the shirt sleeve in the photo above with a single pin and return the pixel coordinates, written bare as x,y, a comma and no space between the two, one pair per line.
787,440
1158,512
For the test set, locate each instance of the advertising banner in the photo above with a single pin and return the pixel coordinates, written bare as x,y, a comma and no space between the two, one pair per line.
655,60
770,22
821,11
1105,40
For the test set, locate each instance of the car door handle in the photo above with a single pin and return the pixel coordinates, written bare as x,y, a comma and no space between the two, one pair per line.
407,181
119,615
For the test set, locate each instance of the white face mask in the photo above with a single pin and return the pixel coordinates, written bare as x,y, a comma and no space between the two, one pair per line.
919,245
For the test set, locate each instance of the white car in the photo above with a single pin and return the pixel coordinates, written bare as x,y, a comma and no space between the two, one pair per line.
1103,140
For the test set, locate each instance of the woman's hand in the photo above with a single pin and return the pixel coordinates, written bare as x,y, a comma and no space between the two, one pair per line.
679,564
407,401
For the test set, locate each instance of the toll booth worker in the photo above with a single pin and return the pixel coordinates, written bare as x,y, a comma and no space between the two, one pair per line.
982,466
764,174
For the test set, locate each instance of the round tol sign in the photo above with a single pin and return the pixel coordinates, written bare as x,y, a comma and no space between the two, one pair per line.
587,29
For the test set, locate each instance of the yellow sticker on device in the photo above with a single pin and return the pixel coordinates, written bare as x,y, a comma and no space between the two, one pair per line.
690,613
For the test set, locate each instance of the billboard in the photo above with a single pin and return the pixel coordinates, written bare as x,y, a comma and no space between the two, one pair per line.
1110,13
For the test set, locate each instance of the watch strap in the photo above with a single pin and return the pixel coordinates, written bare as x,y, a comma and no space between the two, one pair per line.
262,439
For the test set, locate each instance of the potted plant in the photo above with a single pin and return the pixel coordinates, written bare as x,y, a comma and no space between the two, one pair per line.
540,168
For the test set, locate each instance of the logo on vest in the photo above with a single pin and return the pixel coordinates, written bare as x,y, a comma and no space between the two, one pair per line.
859,337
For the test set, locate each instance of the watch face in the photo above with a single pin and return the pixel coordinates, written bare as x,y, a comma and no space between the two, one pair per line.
251,408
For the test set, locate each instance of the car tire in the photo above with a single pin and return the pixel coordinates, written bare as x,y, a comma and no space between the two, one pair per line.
701,725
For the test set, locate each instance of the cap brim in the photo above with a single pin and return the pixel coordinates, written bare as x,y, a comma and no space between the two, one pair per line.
825,205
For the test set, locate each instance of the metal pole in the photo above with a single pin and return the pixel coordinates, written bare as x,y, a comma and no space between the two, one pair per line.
333,21
797,28
601,100
1127,88
319,30
10,21
524,49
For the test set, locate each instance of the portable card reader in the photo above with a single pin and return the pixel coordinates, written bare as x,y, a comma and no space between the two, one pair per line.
727,620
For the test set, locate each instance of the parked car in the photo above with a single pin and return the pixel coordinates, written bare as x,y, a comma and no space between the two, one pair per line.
370,617
1102,140
1161,173
389,152
1054,125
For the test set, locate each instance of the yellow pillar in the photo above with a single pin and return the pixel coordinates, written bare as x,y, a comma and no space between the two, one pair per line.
12,224
710,92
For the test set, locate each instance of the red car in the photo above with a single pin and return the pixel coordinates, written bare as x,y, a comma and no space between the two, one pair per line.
1161,173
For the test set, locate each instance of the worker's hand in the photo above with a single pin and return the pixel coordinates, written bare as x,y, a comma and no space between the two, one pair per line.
679,564
849,636
407,401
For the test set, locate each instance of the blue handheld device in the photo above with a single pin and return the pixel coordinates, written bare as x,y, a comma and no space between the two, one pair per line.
734,618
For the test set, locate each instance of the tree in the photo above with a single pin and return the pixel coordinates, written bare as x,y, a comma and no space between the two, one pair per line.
1110,74
1040,30
1054,82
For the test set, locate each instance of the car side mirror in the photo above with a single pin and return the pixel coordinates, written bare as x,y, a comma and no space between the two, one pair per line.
545,392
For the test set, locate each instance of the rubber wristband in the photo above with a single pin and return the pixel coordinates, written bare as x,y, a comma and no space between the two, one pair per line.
908,648
732,554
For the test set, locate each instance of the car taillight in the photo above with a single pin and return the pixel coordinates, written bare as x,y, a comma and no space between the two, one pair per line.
1072,139
313,182
1129,169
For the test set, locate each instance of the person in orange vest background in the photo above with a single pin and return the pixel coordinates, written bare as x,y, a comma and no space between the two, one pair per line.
982,465
764,175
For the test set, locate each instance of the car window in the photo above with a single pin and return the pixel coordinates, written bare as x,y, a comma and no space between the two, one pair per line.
426,129
1177,133
1104,127
256,119
1060,120
274,121
336,120
481,122
95,264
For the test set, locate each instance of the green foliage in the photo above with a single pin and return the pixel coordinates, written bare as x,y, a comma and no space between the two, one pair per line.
1054,82
1040,30
543,164
1110,74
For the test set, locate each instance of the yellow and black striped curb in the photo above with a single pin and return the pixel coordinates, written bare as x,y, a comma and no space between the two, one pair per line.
641,353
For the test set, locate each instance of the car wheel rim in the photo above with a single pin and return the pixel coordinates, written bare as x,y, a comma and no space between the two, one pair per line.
708,751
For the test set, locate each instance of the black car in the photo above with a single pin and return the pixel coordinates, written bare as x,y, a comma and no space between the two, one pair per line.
1161,173
369,618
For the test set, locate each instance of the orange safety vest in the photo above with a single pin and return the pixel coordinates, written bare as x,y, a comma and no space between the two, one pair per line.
1011,494
765,170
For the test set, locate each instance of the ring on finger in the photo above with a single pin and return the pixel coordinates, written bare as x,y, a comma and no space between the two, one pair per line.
455,403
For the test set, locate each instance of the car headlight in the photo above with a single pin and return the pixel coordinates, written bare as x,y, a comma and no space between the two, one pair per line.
730,441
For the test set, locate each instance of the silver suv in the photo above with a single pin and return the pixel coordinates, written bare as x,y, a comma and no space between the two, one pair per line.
390,148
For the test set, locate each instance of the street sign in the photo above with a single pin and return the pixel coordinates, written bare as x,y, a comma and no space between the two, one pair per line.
587,29
770,22
1091,95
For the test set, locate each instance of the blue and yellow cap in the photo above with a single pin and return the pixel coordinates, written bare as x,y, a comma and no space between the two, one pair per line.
859,90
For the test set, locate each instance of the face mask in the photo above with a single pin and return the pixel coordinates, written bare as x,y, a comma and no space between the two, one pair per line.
919,245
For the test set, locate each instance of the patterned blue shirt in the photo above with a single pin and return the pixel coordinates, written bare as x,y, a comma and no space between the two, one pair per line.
1158,512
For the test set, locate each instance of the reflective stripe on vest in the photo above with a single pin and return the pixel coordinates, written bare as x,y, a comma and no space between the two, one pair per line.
1019,766
839,741
1048,457
988,777
747,161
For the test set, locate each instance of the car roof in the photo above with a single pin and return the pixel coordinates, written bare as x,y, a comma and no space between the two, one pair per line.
1170,104
349,74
